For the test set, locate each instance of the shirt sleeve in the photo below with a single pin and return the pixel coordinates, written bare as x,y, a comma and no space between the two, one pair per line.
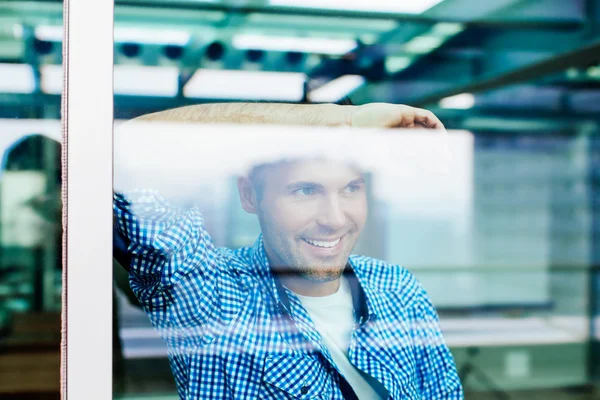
436,369
174,270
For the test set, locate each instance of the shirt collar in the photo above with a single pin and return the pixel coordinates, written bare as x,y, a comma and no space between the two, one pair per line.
367,303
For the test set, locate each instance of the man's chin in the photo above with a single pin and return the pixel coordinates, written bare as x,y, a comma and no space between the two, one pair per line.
324,274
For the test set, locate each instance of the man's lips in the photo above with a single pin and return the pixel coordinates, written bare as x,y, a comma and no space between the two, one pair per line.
322,247
324,243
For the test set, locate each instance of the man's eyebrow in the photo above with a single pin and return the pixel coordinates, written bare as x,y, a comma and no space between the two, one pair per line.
303,184
359,181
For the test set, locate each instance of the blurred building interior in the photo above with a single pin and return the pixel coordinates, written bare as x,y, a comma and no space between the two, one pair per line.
510,258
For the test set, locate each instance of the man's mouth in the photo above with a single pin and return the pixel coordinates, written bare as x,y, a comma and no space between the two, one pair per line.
326,244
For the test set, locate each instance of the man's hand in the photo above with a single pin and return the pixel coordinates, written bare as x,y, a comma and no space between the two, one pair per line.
385,115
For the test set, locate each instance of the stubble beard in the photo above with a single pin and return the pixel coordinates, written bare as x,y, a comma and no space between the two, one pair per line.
290,260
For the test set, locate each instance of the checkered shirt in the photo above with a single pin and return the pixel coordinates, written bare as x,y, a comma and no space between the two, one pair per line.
234,332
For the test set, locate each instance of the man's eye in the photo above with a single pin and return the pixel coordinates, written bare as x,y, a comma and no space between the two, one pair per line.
307,191
352,189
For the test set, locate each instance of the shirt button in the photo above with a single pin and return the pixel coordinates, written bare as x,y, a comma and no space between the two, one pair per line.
304,389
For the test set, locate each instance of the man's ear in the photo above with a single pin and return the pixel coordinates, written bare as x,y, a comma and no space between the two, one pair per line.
247,195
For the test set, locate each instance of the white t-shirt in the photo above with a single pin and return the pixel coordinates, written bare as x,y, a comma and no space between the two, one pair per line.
334,319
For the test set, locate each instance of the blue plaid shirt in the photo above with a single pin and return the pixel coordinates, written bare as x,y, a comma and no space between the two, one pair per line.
234,332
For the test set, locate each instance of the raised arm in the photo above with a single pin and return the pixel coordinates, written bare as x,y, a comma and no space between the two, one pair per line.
174,270
374,115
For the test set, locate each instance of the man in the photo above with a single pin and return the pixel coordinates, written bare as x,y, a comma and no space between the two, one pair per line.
296,315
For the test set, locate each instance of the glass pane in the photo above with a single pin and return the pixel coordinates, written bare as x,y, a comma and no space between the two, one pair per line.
496,219
30,199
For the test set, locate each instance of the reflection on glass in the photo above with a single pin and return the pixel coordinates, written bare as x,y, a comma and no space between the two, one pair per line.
30,203
505,246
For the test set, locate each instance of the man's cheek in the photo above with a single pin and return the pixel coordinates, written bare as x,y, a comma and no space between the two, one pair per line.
295,218
360,215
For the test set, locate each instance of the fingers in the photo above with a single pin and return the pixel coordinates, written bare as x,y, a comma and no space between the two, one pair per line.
412,117
387,115
428,119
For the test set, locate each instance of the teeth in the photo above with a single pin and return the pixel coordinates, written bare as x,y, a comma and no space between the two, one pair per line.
322,244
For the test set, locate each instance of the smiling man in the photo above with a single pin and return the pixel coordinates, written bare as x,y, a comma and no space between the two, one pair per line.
311,213
296,315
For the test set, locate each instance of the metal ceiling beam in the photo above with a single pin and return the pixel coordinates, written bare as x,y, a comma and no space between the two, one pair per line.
581,57
456,117
489,60
404,33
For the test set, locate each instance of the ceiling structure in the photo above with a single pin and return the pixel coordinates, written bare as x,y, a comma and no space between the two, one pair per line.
478,64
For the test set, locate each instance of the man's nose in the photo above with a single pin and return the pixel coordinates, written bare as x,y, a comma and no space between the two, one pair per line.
332,214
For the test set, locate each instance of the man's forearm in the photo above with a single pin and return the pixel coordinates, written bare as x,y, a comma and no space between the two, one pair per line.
258,113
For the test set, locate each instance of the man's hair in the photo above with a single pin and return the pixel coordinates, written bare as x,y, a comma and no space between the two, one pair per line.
256,178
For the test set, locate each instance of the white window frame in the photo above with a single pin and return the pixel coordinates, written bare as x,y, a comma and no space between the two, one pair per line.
87,118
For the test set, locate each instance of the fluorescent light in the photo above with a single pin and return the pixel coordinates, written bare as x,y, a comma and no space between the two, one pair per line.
50,33
51,79
336,89
391,6
54,33
16,78
461,101
245,41
369,38
447,29
593,72
423,44
145,81
572,73
395,64
312,61
246,85
379,25
18,31
151,36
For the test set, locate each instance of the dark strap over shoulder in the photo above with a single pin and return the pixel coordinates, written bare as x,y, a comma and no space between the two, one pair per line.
120,249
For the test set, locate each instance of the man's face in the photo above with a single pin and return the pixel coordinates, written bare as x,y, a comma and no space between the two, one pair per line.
311,214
